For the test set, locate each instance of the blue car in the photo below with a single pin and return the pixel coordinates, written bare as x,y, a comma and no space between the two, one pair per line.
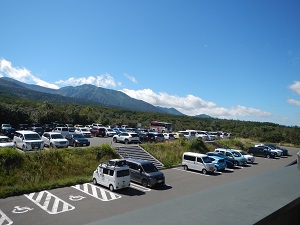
229,161
219,162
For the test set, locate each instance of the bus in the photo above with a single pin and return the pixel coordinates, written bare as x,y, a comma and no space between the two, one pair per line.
162,127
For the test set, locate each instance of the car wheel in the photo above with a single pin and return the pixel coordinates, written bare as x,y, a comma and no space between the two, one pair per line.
126,141
235,163
268,156
185,167
51,145
144,183
94,181
74,145
111,187
204,171
115,140
24,148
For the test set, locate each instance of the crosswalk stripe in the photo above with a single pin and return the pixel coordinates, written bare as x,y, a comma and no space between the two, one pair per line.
44,199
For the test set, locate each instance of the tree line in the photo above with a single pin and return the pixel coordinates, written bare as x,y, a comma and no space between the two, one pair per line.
16,111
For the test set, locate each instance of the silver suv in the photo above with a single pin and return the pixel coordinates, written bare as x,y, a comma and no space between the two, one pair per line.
126,137
55,140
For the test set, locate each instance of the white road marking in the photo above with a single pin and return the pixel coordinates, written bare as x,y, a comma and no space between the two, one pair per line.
18,209
4,219
49,202
189,171
97,192
139,187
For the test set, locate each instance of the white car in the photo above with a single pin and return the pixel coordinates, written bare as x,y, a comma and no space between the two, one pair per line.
84,131
55,140
28,140
6,142
126,137
169,136
110,132
249,158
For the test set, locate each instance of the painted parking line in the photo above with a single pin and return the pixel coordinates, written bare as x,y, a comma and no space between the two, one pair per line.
194,172
139,187
4,219
97,192
49,202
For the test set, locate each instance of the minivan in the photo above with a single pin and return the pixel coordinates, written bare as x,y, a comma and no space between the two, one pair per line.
145,172
197,161
113,174
28,140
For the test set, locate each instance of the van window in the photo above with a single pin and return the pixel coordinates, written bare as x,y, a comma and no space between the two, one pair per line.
32,137
133,166
199,160
190,158
111,172
105,171
122,173
149,167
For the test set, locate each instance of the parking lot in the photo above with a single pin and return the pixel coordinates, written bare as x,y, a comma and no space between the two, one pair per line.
86,203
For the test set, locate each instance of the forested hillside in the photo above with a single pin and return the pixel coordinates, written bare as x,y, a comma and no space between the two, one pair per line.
15,110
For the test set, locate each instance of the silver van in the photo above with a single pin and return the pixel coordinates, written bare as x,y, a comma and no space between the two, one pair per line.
197,161
145,173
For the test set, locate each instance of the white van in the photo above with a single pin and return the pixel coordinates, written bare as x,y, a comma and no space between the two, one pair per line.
197,161
113,174
28,140
188,134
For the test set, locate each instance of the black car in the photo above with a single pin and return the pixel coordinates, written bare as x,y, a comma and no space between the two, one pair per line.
229,161
23,126
9,132
39,130
77,140
259,151
148,137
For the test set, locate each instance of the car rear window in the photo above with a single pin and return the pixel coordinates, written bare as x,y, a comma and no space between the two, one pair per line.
134,135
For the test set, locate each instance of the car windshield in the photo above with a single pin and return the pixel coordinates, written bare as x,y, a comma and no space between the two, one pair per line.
149,167
236,154
32,137
206,160
243,152
5,140
84,129
56,136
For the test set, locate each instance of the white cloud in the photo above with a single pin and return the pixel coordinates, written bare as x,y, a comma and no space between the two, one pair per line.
192,105
294,102
104,80
23,75
131,78
295,87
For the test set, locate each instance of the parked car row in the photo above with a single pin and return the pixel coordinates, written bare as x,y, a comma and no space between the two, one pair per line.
118,173
218,160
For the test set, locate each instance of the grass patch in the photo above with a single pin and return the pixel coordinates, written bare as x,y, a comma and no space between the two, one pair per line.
33,171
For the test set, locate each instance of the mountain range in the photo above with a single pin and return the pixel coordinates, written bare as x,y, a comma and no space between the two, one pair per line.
84,94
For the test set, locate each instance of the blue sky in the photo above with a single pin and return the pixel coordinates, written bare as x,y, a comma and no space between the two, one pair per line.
235,59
